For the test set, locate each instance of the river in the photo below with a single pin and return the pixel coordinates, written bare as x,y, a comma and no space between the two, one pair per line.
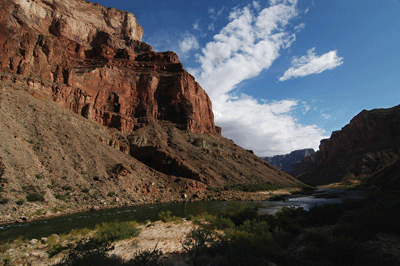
64,224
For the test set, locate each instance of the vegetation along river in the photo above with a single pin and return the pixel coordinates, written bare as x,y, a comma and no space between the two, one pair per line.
64,224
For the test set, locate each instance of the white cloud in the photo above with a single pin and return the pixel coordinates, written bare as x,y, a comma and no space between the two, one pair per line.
211,10
256,5
196,25
305,108
188,43
300,27
312,64
268,129
326,116
248,44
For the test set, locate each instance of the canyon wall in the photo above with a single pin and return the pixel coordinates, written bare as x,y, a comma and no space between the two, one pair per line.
366,146
91,60
91,116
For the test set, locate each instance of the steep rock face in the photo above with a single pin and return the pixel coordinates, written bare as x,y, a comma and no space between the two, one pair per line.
48,149
306,163
97,66
141,127
284,162
367,145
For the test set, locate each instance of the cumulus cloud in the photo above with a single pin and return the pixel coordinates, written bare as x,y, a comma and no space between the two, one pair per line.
312,64
268,129
188,43
247,45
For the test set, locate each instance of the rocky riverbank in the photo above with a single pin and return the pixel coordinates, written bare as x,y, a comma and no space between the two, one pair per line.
33,211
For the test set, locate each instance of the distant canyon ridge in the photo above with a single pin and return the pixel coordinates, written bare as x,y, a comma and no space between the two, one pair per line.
364,153
284,162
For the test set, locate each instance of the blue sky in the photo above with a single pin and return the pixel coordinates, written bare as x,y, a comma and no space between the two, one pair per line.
282,74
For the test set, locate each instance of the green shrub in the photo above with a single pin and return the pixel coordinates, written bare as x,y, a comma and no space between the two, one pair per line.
111,193
35,197
20,202
3,200
60,197
197,241
66,188
30,188
55,249
238,213
96,195
116,231
146,257
39,176
168,217
85,190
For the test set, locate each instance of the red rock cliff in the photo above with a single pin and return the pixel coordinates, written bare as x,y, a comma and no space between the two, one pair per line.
368,144
91,60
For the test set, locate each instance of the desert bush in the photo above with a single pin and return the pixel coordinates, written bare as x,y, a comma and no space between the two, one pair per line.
168,217
20,202
4,247
146,257
111,232
94,250
85,190
90,256
3,200
66,188
60,197
221,223
96,195
197,241
111,193
29,188
35,197
55,249
290,219
238,213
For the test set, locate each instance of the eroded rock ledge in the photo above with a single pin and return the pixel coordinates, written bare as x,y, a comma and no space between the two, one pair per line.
98,65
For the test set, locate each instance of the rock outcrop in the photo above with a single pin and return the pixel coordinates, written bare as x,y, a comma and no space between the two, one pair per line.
284,162
91,60
137,127
365,147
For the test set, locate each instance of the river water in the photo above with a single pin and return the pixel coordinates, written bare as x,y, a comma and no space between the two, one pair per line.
64,224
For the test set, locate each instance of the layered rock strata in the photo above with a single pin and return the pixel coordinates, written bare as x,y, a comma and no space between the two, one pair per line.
141,128
97,66
366,146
